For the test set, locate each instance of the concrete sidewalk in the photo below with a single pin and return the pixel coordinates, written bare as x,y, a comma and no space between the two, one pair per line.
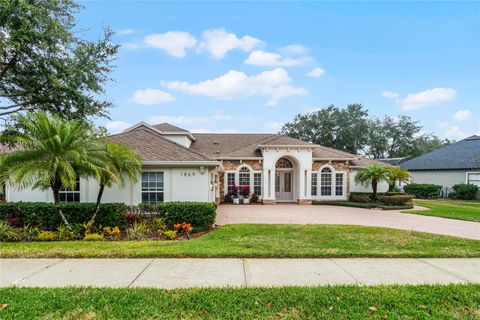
182,273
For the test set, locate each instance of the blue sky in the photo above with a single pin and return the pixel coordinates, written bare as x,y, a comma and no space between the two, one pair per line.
249,67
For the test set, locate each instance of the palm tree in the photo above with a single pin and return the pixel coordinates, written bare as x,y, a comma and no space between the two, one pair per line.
372,175
51,153
396,174
118,162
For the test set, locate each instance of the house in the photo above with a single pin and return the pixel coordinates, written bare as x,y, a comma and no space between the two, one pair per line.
182,166
455,163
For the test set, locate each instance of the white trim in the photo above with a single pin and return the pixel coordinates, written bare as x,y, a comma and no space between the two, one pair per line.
209,163
470,172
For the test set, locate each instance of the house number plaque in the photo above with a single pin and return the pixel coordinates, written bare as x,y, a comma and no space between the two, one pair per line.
187,174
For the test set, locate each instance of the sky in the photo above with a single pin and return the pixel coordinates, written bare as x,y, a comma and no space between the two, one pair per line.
250,67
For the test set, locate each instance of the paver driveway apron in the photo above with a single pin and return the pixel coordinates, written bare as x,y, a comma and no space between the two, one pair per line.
317,214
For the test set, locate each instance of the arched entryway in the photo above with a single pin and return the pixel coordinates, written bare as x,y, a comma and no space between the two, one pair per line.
285,180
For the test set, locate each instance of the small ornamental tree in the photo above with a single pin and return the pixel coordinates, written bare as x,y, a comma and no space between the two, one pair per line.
372,175
396,174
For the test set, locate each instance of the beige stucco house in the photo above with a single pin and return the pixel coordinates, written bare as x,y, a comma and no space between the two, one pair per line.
182,166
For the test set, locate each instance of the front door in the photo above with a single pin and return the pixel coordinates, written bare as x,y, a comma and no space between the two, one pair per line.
283,185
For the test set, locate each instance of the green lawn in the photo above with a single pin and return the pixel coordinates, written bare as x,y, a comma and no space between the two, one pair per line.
338,302
462,210
278,241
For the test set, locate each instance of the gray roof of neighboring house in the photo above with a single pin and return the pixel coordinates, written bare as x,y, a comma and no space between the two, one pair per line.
464,154
169,128
394,161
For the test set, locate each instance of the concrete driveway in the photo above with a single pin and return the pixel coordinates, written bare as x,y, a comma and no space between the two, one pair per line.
316,214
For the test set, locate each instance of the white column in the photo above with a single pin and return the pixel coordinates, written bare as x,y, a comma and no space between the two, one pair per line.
309,184
265,184
301,183
272,184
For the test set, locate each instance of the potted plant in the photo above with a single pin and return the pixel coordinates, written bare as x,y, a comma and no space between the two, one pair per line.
235,198
246,194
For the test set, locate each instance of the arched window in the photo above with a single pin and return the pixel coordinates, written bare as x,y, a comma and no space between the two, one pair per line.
244,177
284,163
326,182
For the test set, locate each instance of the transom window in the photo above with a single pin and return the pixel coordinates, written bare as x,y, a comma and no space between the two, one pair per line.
283,163
152,187
244,177
473,178
326,182
314,183
67,195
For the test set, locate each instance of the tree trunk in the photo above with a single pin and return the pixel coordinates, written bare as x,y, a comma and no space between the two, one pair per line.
374,188
56,199
391,186
97,205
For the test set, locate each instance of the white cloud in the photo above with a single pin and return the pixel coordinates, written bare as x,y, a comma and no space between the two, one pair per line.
427,98
455,132
125,32
390,94
175,43
270,59
151,97
130,45
218,42
294,49
462,115
316,73
274,84
117,126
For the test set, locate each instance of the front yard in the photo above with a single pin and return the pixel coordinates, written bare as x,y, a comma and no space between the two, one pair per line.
462,210
337,302
279,241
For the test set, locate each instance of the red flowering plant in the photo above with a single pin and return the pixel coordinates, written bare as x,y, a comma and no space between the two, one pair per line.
183,229
246,191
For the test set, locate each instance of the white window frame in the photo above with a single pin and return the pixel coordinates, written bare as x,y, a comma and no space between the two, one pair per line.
237,178
312,185
66,192
333,185
467,174
151,191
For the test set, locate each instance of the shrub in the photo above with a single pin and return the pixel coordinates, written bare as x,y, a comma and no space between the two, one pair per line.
201,215
45,215
63,233
254,198
423,190
112,233
395,199
158,225
7,232
170,234
228,198
28,233
93,237
363,198
138,231
47,236
465,191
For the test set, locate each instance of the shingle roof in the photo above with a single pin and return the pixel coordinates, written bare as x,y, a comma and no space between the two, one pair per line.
169,128
464,154
216,145
394,161
151,146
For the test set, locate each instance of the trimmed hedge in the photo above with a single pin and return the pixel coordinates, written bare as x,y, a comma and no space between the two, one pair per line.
368,205
46,217
200,215
365,197
424,191
399,199
464,191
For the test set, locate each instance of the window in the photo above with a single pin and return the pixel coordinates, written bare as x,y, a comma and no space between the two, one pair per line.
283,163
230,182
314,183
152,187
326,182
244,177
257,184
71,195
339,184
473,178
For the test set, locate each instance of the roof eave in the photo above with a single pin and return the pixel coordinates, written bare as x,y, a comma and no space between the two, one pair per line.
205,163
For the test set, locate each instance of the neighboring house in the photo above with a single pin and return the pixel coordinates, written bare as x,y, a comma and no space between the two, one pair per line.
455,163
182,166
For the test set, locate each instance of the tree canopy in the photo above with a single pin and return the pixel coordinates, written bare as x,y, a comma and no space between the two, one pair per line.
351,129
44,65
